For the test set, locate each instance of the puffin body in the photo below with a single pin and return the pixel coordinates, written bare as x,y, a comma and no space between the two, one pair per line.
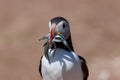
59,61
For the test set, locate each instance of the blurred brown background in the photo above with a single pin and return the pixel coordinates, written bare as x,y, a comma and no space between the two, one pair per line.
95,28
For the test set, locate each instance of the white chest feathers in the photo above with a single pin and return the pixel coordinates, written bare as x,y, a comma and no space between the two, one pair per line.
64,66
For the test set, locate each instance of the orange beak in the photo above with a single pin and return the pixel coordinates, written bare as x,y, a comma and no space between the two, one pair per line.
52,30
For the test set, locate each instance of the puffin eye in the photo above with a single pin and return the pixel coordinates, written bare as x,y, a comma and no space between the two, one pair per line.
63,25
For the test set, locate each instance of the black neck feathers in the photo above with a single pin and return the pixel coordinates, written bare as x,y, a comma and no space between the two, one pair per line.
61,45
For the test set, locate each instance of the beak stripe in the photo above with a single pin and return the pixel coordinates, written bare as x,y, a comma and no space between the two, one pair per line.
52,32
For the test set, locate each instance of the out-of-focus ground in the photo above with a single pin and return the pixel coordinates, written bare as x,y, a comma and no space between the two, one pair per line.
95,29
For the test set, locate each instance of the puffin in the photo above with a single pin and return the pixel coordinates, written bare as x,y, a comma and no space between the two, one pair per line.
59,60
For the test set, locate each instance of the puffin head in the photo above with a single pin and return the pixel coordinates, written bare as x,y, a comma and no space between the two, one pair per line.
59,36
59,29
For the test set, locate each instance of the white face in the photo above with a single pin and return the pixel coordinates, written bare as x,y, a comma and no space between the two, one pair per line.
62,27
49,24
